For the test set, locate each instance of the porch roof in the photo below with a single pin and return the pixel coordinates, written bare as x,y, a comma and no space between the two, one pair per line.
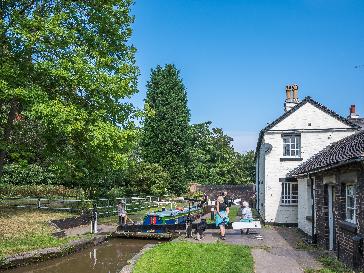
344,151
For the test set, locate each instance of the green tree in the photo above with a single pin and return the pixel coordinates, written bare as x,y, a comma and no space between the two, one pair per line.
66,68
147,178
247,167
165,139
213,159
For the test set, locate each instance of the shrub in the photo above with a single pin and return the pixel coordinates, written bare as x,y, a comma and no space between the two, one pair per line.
147,178
23,173
50,191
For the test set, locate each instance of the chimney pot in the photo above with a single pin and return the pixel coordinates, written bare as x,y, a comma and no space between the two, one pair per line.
353,114
352,109
291,97
295,92
288,93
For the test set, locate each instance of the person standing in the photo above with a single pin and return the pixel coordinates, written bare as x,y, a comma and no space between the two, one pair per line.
221,216
122,213
226,199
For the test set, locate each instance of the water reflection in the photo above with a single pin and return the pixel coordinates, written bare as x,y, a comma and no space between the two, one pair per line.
109,257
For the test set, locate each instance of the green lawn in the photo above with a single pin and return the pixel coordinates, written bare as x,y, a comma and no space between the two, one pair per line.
25,230
184,257
234,210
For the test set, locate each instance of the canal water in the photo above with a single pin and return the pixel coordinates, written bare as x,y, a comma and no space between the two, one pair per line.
109,257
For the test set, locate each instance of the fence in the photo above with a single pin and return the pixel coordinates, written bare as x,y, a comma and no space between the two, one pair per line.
105,207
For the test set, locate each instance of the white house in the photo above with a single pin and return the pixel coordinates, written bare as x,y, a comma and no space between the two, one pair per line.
305,128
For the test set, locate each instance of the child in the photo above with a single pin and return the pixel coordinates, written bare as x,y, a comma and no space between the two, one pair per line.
247,215
246,211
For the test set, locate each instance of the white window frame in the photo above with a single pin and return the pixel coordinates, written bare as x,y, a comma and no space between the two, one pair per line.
288,195
350,208
291,145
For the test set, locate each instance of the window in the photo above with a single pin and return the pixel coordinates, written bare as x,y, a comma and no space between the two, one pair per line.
292,145
351,204
289,193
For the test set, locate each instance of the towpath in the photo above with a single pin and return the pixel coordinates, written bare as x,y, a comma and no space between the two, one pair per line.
276,253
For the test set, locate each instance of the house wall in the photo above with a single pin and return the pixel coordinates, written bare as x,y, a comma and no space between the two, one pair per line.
311,143
347,247
317,130
309,113
322,212
260,181
304,206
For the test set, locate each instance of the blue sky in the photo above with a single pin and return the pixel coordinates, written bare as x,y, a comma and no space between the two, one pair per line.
236,56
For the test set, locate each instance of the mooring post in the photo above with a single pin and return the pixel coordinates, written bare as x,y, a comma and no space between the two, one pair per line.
94,220
212,213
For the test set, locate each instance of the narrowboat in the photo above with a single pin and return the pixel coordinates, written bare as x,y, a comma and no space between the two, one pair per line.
171,216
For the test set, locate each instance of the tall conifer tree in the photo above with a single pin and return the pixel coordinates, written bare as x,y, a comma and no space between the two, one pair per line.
165,139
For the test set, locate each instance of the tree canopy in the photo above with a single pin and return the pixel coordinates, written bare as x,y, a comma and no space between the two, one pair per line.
67,72
213,159
66,66
165,138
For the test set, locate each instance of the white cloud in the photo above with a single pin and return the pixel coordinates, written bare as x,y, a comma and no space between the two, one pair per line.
244,141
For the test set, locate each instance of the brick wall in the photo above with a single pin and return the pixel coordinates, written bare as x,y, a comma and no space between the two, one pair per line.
322,212
346,234
245,192
360,212
345,249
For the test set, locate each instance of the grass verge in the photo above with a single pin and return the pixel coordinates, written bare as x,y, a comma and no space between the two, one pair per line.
185,257
234,211
331,265
25,230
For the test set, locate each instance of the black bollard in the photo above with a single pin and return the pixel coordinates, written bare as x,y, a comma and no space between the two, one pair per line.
212,213
94,220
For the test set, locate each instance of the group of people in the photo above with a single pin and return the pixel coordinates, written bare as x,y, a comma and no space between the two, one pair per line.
222,212
223,204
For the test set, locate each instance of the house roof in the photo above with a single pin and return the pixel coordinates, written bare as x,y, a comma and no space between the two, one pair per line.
357,121
294,109
346,150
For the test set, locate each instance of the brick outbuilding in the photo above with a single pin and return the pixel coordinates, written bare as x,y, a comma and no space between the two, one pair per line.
331,208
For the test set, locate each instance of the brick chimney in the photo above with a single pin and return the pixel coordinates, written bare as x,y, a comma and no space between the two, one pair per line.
291,97
352,113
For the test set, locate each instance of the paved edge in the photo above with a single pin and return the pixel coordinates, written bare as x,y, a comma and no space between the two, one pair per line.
265,262
35,256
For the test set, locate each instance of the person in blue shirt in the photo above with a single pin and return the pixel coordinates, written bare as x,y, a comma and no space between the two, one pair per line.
222,216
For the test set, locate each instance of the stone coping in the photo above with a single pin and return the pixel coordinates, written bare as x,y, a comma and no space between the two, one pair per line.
131,263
